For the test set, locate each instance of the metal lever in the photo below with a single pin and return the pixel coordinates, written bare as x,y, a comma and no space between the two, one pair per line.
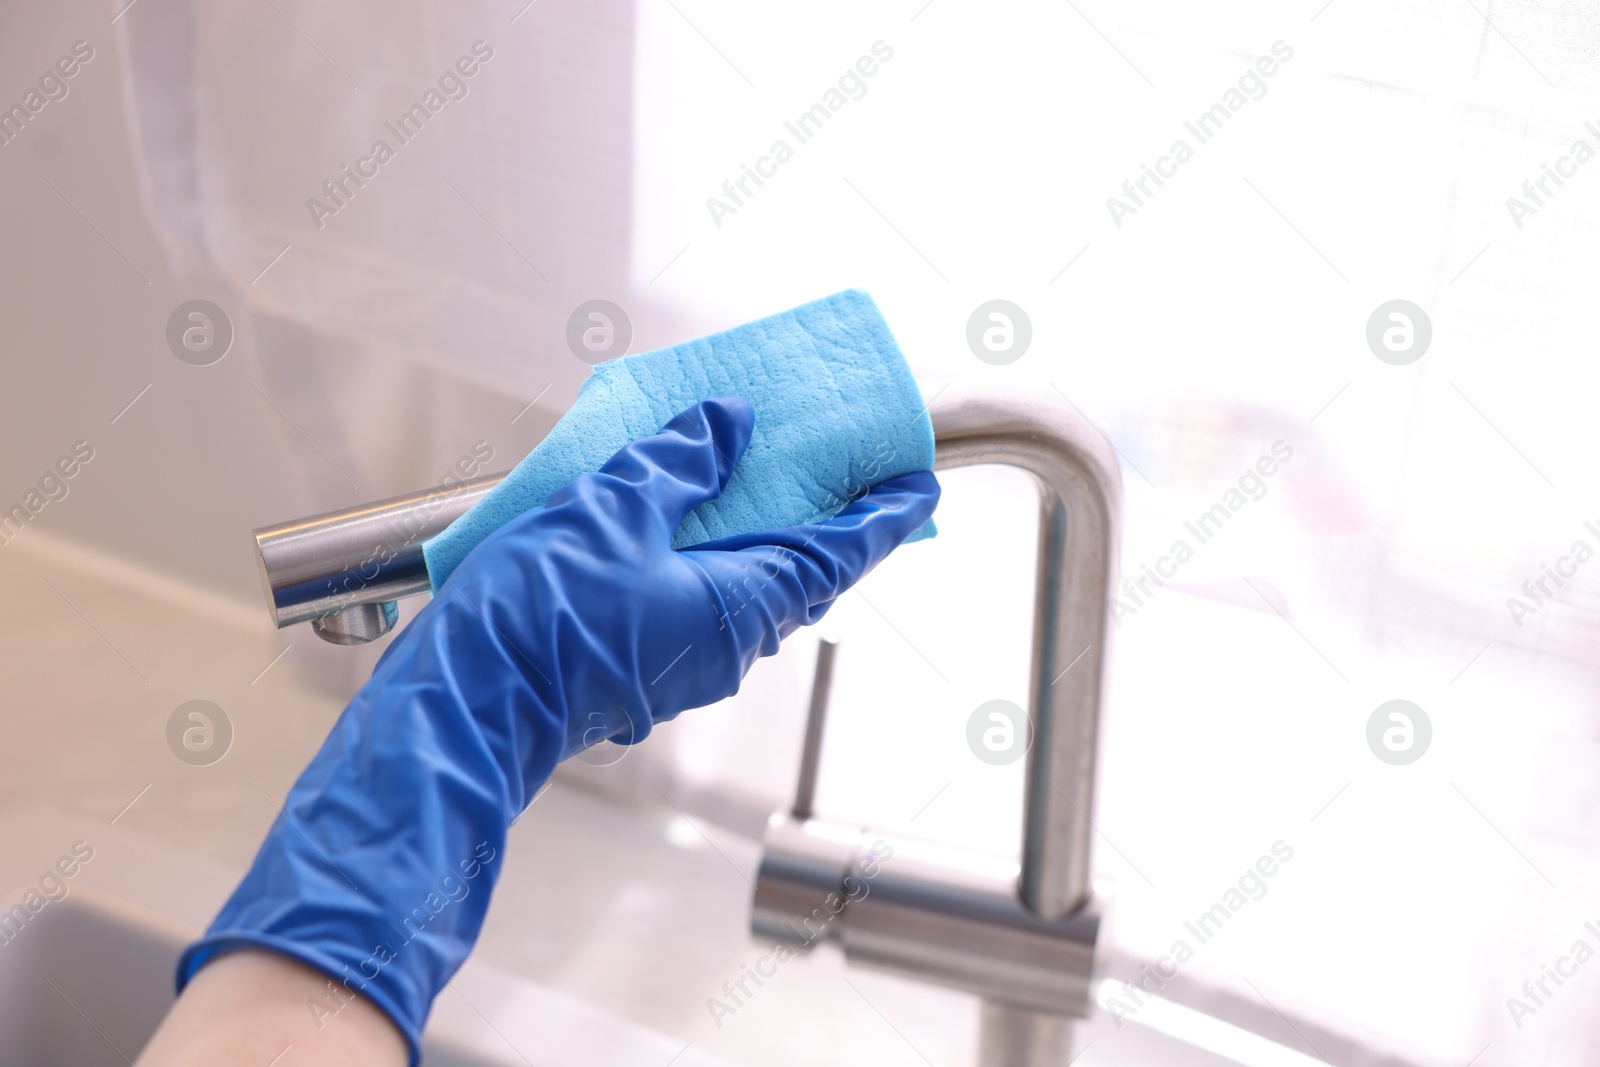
805,792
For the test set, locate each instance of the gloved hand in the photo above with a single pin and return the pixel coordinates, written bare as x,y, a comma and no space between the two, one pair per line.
574,623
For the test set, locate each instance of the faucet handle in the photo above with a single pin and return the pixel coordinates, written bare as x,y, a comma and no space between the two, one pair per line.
805,792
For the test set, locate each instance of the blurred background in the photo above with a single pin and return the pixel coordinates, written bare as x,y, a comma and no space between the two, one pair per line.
421,315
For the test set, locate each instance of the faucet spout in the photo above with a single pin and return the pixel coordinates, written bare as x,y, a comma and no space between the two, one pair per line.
1080,503
1021,936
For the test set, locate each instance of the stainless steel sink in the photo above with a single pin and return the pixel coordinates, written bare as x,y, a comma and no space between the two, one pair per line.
86,981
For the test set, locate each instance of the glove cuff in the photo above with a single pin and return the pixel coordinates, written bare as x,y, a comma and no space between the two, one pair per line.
348,976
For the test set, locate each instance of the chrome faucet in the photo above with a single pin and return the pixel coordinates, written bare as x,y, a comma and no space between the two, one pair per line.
344,572
1020,936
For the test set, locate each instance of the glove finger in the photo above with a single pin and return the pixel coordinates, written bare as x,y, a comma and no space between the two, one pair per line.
791,576
688,463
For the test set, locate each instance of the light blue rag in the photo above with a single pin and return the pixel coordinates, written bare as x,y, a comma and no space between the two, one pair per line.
837,411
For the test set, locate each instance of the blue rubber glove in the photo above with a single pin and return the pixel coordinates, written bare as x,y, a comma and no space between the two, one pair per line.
576,622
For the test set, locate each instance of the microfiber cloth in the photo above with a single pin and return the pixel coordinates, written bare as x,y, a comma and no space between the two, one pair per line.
836,410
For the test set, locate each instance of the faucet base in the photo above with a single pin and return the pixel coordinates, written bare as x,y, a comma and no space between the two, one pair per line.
925,911
1016,1037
